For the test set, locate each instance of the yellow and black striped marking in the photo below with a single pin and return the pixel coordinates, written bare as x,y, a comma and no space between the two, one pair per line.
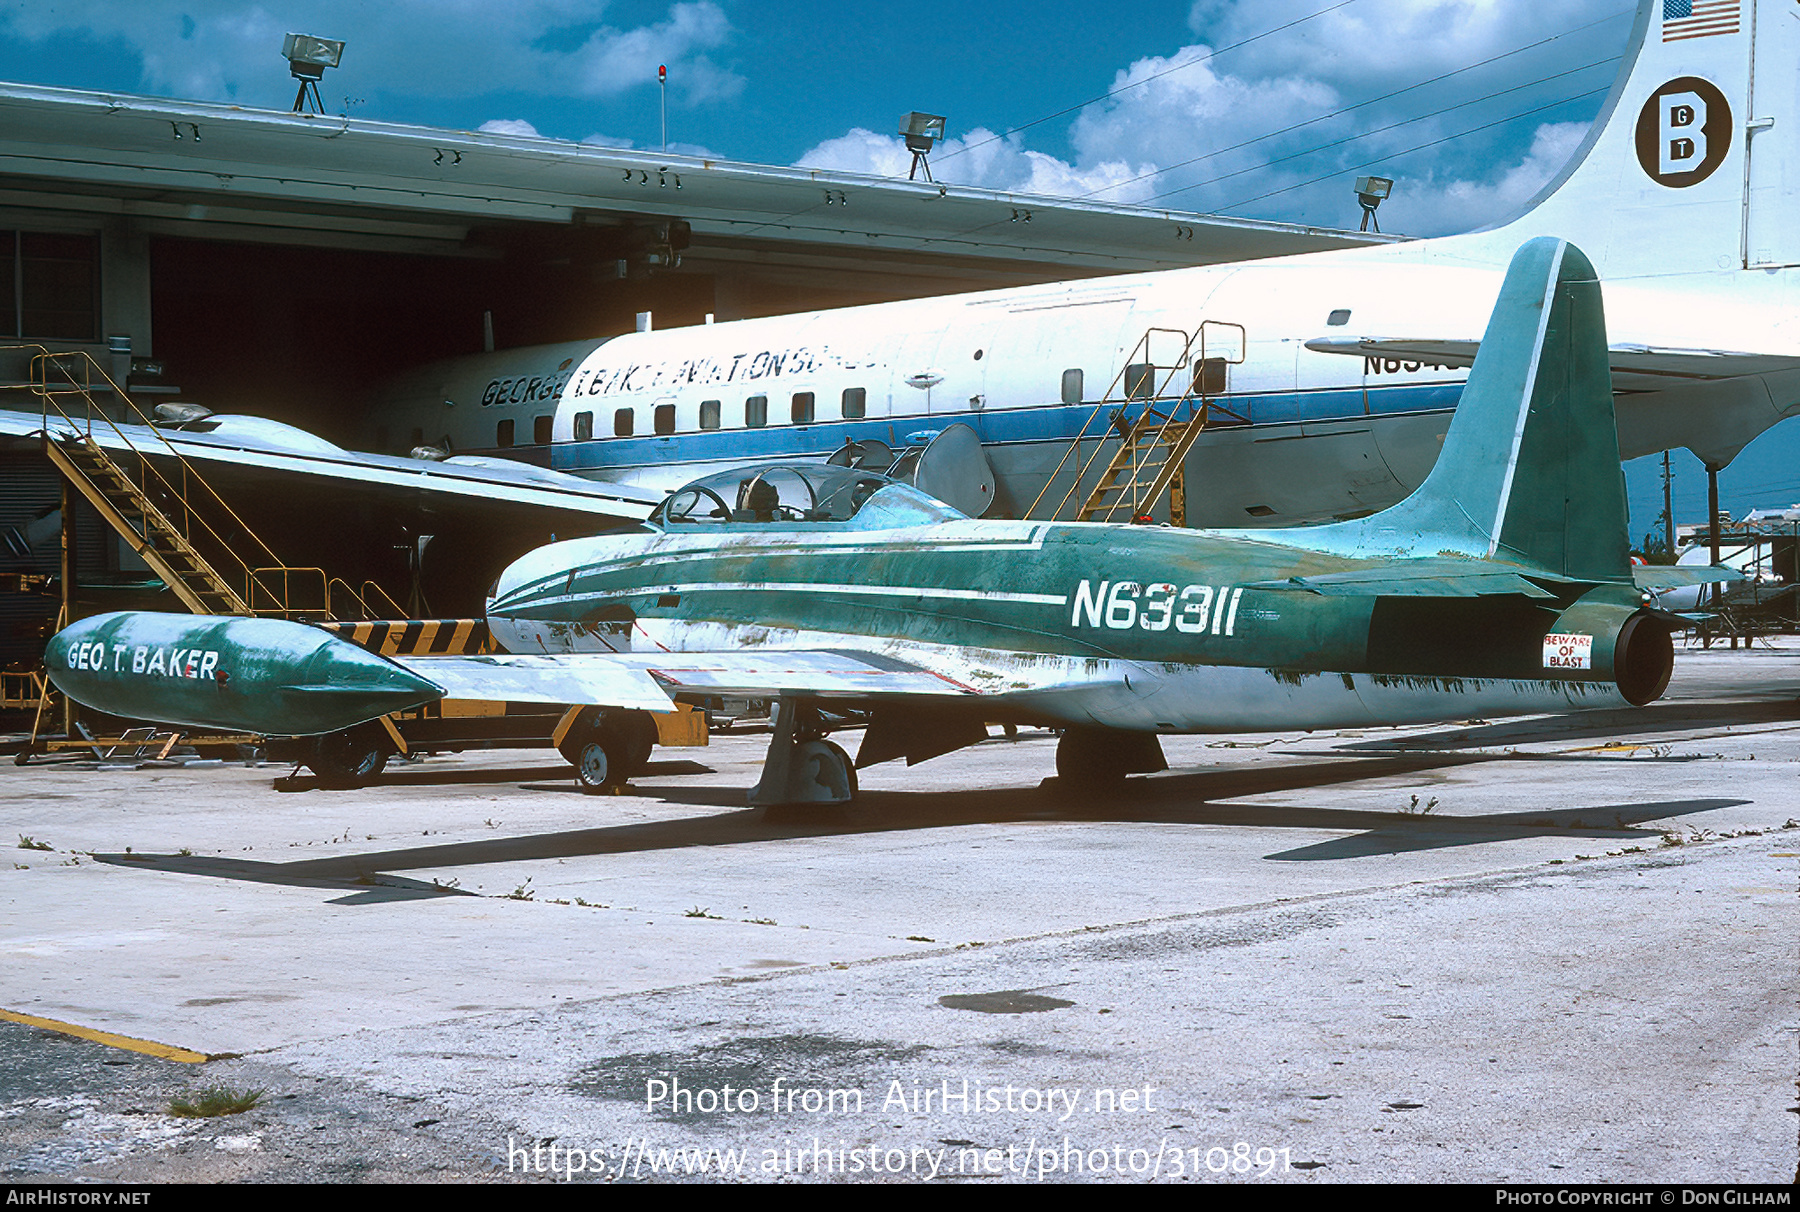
419,637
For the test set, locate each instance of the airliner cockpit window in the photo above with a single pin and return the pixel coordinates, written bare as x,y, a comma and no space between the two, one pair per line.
789,495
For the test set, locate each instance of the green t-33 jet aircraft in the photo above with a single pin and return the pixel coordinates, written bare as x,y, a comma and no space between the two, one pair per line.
1504,585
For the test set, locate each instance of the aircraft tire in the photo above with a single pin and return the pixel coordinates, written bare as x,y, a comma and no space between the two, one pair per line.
822,779
831,771
1087,759
609,747
639,728
351,758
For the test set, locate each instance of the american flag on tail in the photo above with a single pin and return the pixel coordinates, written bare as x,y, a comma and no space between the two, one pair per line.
1698,18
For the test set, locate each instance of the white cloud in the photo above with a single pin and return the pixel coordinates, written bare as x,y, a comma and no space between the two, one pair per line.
227,50
1464,205
1256,129
978,158
508,126
614,60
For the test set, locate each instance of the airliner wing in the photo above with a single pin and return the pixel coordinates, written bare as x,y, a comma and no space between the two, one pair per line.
1635,367
328,468
1428,352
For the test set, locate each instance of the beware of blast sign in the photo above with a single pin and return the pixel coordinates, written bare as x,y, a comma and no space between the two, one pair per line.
1568,651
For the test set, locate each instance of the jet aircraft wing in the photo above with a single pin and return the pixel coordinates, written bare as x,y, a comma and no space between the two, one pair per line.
1632,364
647,679
577,678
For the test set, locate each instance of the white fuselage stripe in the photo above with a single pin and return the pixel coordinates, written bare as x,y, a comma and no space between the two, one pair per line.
877,591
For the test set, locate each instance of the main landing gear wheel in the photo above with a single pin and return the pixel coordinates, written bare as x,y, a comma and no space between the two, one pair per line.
1098,759
608,747
824,774
802,766
351,758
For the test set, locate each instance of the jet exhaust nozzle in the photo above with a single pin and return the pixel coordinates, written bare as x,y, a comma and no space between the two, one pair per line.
1608,636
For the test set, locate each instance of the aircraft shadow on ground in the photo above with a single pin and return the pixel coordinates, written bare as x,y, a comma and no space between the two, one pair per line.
1620,725
435,776
1173,799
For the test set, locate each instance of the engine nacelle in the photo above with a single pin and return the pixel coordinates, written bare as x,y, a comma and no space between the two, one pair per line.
1608,636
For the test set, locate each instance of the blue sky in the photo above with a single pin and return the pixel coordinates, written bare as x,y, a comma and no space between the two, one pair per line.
1231,105
1259,108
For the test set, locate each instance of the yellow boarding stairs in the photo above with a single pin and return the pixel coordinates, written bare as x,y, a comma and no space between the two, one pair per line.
1173,399
157,512
163,513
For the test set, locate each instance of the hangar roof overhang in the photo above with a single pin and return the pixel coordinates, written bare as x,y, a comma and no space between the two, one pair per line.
219,171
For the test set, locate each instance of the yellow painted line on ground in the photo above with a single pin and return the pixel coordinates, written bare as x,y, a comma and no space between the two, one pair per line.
147,1047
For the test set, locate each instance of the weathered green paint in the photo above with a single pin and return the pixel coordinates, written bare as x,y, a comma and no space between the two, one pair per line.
1443,602
254,675
1522,517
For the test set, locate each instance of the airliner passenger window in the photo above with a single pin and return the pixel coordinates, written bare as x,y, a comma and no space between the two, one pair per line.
1071,393
503,433
1140,381
584,426
856,403
1209,377
709,414
540,430
803,408
756,412
622,423
664,418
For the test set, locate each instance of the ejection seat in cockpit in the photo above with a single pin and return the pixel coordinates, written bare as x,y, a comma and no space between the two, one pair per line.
757,501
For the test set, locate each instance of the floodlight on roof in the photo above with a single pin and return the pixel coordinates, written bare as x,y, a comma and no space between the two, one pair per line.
1370,191
921,131
308,57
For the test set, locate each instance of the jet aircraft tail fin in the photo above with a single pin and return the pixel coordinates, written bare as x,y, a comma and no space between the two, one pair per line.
1530,471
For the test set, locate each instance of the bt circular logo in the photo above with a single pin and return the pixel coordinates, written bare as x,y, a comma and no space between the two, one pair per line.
1683,132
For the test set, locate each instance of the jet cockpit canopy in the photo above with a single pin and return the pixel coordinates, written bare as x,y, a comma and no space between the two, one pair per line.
789,494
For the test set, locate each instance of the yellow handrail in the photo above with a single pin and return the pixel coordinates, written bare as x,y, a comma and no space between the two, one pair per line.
270,589
42,363
1156,392
1192,390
